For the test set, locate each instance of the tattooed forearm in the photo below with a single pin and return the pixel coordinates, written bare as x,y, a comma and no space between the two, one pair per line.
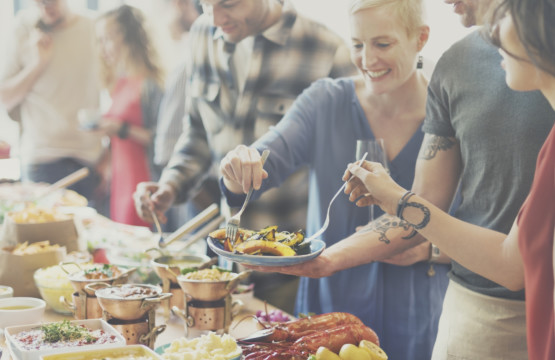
434,144
425,213
385,223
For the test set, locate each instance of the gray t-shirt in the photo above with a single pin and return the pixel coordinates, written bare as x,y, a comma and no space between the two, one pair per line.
500,132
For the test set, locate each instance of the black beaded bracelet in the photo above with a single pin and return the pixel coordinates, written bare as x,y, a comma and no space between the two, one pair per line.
123,131
402,203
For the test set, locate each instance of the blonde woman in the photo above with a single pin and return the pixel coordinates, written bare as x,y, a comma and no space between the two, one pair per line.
385,100
133,77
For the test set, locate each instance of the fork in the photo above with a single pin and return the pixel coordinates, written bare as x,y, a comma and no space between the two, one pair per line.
327,221
232,225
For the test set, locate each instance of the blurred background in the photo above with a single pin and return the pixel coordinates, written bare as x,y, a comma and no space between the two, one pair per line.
445,30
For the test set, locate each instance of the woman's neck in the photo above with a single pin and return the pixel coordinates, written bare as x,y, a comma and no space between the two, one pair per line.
549,91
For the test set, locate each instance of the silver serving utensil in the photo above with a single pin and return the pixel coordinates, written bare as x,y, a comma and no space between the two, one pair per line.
327,221
232,225
191,225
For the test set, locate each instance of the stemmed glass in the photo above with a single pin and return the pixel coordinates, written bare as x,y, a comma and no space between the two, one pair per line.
376,153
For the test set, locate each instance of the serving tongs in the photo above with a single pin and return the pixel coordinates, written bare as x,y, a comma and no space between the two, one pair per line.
191,225
63,183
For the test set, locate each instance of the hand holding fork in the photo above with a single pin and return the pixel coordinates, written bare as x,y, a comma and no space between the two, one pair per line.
233,223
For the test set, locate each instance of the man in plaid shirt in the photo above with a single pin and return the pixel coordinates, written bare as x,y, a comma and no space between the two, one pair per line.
250,60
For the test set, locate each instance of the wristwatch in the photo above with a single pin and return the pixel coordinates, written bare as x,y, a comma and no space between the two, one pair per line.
435,253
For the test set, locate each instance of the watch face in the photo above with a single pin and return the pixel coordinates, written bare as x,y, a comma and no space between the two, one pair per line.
435,251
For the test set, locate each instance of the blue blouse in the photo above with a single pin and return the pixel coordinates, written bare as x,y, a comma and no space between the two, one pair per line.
402,304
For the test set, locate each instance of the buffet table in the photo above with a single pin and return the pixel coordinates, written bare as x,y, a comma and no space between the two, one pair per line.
175,327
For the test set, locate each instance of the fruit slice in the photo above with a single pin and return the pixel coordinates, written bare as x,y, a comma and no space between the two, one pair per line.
374,350
265,247
324,353
353,352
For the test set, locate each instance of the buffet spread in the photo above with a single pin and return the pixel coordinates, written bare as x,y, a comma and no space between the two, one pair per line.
151,302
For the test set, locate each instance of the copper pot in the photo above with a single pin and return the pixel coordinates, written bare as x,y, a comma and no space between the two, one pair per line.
79,281
210,290
127,307
169,267
83,307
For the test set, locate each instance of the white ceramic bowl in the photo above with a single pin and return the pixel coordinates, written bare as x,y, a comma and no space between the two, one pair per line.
10,315
5,292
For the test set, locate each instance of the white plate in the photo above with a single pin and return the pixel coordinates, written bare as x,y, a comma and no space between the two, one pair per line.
93,324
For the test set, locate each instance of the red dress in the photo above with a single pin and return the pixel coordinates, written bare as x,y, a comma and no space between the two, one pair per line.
536,222
129,159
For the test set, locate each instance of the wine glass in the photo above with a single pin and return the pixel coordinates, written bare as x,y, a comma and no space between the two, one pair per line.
376,153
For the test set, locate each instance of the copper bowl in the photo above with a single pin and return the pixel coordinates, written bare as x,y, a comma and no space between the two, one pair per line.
169,267
128,301
79,281
210,290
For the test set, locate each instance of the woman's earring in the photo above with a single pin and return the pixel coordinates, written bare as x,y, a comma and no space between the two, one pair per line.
420,63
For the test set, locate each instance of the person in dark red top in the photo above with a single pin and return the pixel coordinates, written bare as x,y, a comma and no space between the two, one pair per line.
525,32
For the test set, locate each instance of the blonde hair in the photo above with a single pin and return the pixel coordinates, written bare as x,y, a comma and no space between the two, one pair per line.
139,56
410,12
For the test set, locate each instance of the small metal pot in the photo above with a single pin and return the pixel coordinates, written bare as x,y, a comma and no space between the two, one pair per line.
169,267
79,282
123,308
210,290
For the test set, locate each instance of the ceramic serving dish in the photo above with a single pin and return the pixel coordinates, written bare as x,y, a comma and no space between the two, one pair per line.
18,351
120,353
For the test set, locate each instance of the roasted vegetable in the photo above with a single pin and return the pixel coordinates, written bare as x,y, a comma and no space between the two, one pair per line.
264,247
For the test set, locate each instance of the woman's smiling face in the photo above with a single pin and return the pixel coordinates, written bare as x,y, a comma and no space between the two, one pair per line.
382,49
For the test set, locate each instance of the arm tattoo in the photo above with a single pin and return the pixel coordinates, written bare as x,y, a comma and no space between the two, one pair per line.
435,144
385,223
425,212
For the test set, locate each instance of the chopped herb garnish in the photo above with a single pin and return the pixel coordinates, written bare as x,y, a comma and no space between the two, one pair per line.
106,269
64,331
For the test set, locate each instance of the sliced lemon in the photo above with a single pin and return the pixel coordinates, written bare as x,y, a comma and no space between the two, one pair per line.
376,352
353,352
324,353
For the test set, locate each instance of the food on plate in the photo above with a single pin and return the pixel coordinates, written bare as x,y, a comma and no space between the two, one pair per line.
205,347
128,352
61,334
37,215
268,241
214,274
323,353
374,350
34,248
301,338
71,198
272,316
130,292
353,352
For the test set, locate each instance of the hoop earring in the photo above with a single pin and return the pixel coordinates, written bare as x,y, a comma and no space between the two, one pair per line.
420,62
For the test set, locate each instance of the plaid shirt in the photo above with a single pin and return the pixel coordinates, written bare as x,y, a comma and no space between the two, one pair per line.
286,58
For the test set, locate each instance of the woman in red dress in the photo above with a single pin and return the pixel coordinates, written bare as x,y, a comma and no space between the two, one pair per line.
525,32
133,78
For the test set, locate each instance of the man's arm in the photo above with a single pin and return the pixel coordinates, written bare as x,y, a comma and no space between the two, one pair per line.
14,88
436,178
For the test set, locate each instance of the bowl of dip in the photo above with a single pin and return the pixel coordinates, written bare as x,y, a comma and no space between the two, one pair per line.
21,311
